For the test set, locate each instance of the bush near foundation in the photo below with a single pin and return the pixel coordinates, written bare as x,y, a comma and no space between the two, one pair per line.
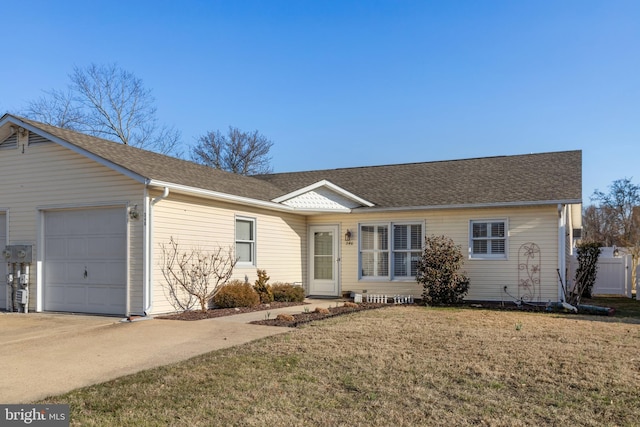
286,292
438,273
263,288
236,294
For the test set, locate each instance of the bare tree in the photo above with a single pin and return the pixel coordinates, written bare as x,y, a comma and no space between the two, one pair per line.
617,221
619,212
109,102
595,225
56,108
245,153
194,276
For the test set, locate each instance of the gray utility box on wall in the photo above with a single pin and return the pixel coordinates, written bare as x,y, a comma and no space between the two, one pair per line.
17,253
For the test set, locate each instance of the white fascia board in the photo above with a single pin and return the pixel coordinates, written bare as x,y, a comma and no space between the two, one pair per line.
308,211
76,149
220,196
327,184
471,206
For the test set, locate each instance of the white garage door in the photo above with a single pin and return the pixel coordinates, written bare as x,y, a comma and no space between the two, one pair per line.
85,261
3,265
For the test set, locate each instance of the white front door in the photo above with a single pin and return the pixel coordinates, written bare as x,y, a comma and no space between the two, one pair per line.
323,261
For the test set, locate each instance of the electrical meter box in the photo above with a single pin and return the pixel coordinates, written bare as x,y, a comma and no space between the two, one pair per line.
17,253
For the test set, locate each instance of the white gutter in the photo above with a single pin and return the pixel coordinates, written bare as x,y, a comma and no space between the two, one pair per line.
467,206
220,196
148,246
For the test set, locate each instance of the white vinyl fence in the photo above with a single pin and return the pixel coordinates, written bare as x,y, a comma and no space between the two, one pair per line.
613,278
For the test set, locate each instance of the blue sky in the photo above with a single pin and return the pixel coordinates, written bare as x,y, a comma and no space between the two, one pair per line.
355,83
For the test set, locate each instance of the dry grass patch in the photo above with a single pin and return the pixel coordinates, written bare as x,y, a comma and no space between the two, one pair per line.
396,366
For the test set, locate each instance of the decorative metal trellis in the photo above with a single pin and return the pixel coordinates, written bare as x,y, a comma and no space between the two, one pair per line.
529,263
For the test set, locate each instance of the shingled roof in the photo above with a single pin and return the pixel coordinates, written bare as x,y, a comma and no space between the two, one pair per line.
158,167
521,179
491,181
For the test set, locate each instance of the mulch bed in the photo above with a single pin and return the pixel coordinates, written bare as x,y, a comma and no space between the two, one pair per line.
221,312
304,318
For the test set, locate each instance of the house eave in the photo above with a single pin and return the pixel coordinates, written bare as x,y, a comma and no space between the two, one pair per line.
216,195
471,206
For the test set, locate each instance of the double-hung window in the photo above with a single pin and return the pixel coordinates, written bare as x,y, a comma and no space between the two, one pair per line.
246,241
407,248
374,250
488,239
390,250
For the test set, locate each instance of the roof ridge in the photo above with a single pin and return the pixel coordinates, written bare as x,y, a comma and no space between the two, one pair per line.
507,156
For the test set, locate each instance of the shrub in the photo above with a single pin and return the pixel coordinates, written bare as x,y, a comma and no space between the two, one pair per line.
587,270
285,292
263,288
236,294
438,272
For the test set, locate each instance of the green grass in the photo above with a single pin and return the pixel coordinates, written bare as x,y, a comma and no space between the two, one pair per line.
403,366
625,307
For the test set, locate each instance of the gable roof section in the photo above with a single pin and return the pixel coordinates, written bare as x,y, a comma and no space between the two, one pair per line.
490,181
147,166
324,196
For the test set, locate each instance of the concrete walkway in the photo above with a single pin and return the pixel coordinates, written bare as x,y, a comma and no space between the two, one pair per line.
49,354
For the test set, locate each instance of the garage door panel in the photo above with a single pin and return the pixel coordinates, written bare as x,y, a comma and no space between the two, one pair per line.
112,220
105,273
85,264
106,247
105,296
76,247
56,248
57,273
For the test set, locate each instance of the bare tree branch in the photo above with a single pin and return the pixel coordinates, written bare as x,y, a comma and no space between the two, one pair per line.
109,102
245,153
194,276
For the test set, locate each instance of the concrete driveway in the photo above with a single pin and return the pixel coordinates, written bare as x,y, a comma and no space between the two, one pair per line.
49,354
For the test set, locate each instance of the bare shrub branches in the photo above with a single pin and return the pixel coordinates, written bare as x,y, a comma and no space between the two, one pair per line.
194,276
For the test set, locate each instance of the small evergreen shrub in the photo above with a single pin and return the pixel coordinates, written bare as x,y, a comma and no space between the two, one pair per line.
285,292
236,294
438,272
263,288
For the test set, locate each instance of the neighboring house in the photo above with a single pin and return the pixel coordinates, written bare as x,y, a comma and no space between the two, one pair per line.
94,214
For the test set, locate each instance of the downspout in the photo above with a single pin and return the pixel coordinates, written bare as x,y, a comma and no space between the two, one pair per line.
562,249
148,248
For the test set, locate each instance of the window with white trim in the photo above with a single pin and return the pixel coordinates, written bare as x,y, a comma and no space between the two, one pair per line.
246,241
390,250
488,239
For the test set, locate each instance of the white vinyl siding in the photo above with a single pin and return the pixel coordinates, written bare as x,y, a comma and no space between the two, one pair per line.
488,239
47,176
390,250
488,277
246,241
210,225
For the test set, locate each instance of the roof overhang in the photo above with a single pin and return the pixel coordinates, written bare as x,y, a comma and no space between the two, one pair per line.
474,206
194,191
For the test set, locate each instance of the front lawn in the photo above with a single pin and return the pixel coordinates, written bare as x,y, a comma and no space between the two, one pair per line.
403,366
